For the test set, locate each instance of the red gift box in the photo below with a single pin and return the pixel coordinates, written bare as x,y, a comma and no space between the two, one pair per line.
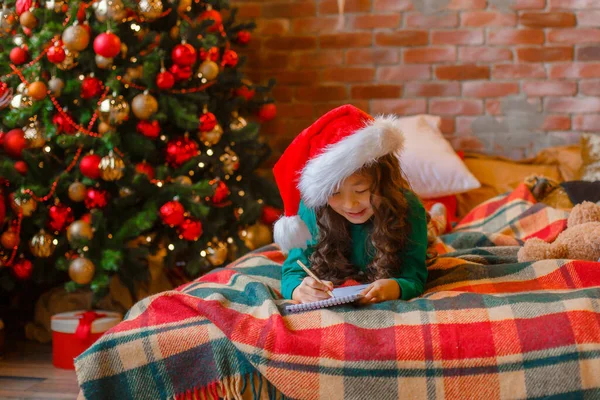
73,332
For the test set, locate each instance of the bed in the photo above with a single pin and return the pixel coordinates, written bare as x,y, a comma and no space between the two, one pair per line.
486,327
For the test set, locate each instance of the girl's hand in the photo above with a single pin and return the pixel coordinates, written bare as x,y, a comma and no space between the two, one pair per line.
311,290
381,290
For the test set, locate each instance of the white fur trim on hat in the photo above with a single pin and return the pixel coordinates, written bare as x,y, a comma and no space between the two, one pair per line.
291,232
323,173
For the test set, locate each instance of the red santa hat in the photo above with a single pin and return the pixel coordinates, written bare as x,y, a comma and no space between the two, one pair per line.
334,147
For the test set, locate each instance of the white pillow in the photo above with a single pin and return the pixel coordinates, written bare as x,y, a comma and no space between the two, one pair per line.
429,162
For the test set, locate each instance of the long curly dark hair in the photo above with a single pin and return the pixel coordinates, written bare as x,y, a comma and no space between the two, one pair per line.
330,259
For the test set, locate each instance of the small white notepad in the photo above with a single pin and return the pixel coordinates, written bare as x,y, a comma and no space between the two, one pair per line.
343,295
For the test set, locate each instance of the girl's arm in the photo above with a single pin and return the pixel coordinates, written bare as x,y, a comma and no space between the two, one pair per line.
414,270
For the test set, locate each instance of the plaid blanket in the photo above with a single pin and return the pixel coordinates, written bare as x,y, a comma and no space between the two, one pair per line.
486,327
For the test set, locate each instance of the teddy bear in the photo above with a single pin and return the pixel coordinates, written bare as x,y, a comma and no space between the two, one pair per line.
580,241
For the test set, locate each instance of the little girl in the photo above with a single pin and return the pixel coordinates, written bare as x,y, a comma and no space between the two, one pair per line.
349,212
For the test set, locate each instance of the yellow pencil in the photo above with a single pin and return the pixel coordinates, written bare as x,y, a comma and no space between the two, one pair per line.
309,272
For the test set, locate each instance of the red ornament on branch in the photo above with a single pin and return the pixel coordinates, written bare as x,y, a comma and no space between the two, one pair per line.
62,123
96,198
150,129
180,73
184,55
59,217
230,59
267,112
2,207
15,143
165,80
90,87
18,55
221,193
207,122
89,166
243,37
107,45
270,214
180,150
56,53
172,213
190,229
22,168
23,269
215,16
145,168
23,5
245,92
212,54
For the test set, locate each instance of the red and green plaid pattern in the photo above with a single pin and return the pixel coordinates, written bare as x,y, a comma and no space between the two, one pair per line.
486,327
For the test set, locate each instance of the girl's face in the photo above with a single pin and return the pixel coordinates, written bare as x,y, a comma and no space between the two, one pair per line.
352,199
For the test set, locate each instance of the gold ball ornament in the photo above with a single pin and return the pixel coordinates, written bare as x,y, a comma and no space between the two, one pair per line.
212,137
56,85
103,128
184,6
174,32
34,135
216,253
109,9
209,69
8,20
237,122
81,270
144,105
20,101
77,192
114,110
76,38
183,180
42,244
27,207
230,161
69,62
37,90
256,236
133,73
9,239
79,230
103,62
111,167
150,9
28,20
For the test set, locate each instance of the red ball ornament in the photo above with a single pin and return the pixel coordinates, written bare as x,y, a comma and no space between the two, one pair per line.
245,92
56,54
23,269
62,124
18,55
90,87
221,193
207,122
165,80
107,45
171,213
2,207
267,112
212,54
81,12
190,229
150,129
23,5
270,214
181,73
2,136
21,167
89,166
145,168
86,218
59,217
230,58
215,16
180,150
243,37
96,198
184,55
15,143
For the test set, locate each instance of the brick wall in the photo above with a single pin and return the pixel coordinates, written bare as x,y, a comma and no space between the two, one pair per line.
458,64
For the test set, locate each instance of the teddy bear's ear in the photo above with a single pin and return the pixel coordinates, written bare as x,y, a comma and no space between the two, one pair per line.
583,213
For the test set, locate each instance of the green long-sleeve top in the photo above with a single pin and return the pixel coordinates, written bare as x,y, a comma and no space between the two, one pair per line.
413,274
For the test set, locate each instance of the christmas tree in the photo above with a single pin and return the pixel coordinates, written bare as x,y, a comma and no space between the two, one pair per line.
127,127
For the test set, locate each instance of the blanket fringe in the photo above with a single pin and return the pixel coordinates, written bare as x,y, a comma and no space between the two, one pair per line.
240,387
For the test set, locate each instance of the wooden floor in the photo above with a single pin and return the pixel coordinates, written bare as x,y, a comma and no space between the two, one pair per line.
26,372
